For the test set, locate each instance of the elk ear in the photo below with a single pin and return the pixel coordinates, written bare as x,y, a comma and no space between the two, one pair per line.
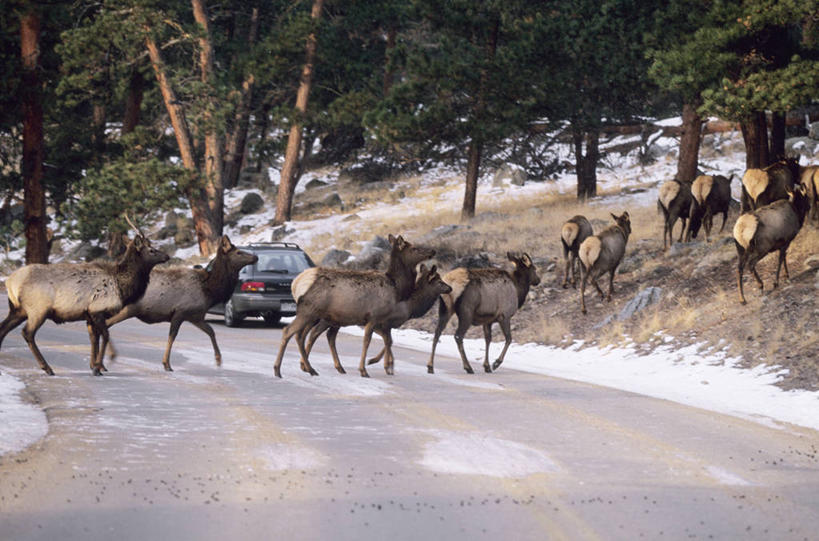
422,268
139,242
225,244
526,260
614,216
392,239
433,269
401,242
511,256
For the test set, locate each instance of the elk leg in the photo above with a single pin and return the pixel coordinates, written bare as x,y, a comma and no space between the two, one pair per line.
611,284
14,318
756,275
94,339
506,327
487,337
463,325
386,335
444,315
331,340
740,269
296,326
102,331
682,230
584,276
28,334
96,330
315,332
568,261
377,358
166,359
368,334
597,286
305,361
205,327
575,268
779,264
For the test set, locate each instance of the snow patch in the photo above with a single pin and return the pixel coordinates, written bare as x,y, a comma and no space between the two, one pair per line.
21,423
286,456
724,477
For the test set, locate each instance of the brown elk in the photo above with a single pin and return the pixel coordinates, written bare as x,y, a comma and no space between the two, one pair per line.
763,186
484,297
711,195
179,294
572,234
78,291
346,297
674,202
603,253
809,178
767,229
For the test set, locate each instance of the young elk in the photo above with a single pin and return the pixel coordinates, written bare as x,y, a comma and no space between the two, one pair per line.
603,253
483,297
179,294
572,235
674,202
763,186
767,229
711,195
75,291
345,297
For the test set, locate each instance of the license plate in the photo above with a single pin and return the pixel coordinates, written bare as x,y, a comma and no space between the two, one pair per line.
288,307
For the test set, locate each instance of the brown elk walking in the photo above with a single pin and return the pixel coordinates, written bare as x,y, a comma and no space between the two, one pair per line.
603,253
572,234
346,297
484,297
674,202
767,229
179,294
763,186
711,195
78,291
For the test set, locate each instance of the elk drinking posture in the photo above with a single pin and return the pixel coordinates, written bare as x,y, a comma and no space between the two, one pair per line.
483,297
603,253
766,229
674,202
572,234
711,195
763,186
346,297
76,291
179,294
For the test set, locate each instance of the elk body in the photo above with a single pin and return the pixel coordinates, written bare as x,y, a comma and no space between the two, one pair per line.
484,297
674,202
711,195
767,229
180,294
572,234
809,178
342,297
78,291
603,253
763,186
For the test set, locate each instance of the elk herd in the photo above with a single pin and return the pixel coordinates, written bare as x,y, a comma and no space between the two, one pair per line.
774,204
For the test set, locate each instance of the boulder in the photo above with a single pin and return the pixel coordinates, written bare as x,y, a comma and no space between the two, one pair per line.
509,174
474,261
642,300
314,183
251,203
722,255
278,233
812,262
813,131
335,258
333,201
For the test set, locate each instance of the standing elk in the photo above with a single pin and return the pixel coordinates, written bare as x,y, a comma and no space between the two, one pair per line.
763,186
572,234
809,178
483,297
767,229
78,291
603,253
674,202
711,195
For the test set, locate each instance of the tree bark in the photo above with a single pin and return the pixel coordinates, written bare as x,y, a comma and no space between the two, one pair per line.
755,135
33,154
586,164
287,185
689,144
241,122
133,102
197,197
777,137
213,166
473,165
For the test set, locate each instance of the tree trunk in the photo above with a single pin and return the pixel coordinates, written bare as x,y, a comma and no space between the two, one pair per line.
586,165
755,135
264,123
777,137
32,165
205,233
133,102
689,144
287,186
98,128
213,166
241,122
471,190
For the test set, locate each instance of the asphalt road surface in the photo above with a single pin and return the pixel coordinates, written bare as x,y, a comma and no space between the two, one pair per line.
234,453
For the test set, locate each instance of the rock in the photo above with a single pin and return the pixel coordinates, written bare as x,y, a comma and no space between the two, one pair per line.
801,146
335,258
488,217
365,173
509,174
278,233
716,258
251,203
440,231
170,218
661,271
314,183
86,252
643,299
333,200
245,229
812,262
167,232
630,264
351,218
813,130
184,237
478,261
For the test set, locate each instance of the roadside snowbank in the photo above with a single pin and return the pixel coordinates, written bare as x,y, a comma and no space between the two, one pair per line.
21,423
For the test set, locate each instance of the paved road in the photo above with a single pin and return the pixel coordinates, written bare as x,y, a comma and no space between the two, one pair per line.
234,453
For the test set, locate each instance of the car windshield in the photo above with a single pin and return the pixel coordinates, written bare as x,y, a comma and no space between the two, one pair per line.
282,262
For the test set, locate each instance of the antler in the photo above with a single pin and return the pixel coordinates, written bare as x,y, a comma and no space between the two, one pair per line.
138,230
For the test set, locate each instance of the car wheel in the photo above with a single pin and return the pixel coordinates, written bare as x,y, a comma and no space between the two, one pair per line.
232,319
272,319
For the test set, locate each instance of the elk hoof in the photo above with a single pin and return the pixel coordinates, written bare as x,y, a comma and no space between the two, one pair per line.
96,372
277,372
313,372
487,369
496,364
364,374
430,370
373,360
48,371
102,367
341,370
583,311
218,361
389,371
469,370
167,368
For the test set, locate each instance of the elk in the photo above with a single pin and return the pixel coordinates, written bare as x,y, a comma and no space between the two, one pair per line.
763,186
767,229
603,253
484,297
572,235
809,178
75,291
674,202
711,195
179,294
343,297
